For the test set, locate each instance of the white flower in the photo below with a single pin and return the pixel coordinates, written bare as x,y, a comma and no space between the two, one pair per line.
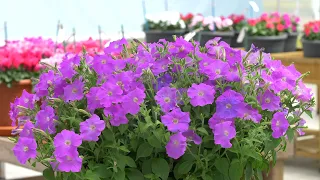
227,22
182,24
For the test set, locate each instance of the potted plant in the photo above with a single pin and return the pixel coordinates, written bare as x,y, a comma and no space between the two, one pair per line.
163,26
266,31
290,25
170,110
18,64
311,39
187,20
239,22
212,27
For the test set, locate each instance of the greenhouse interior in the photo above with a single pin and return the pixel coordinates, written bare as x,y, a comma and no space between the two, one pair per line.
160,90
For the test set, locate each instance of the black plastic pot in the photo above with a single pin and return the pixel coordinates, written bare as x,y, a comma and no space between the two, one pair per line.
271,44
205,36
311,48
291,42
234,42
154,35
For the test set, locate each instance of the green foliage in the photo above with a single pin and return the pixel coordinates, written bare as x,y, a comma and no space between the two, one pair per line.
13,75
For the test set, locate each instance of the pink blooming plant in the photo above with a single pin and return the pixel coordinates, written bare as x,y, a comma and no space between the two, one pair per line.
167,110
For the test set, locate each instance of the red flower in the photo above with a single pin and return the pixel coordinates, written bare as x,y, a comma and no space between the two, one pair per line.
280,27
252,22
270,25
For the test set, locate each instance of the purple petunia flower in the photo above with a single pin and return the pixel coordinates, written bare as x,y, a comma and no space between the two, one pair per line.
123,80
279,124
201,94
269,101
176,146
109,93
160,66
27,130
93,99
166,98
223,133
69,162
132,101
216,69
163,81
46,80
233,56
180,47
229,104
92,128
249,113
27,100
45,119
214,120
102,64
74,91
176,120
115,46
66,142
59,85
117,115
282,80
68,64
192,136
25,149
303,93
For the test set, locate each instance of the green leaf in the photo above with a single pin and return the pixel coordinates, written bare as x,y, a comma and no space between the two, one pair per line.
146,166
130,162
203,130
259,175
270,145
252,153
120,175
160,167
122,128
185,167
235,170
176,173
108,135
154,141
134,174
222,165
249,172
102,171
206,177
309,113
91,175
49,174
124,149
290,134
144,150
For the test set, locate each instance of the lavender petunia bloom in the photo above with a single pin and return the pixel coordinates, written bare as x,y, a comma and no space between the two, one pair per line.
74,91
176,120
279,124
233,56
93,99
160,66
167,98
25,149
117,115
27,130
180,48
92,128
176,146
70,162
133,100
249,113
67,66
163,81
233,74
27,100
109,93
45,119
269,101
216,69
201,94
66,142
229,104
192,136
223,133
303,93
301,123
123,80
59,85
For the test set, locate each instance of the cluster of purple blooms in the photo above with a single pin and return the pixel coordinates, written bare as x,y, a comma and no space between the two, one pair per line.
120,90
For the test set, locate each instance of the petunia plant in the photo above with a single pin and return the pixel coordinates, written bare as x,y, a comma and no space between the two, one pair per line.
312,31
267,25
167,110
